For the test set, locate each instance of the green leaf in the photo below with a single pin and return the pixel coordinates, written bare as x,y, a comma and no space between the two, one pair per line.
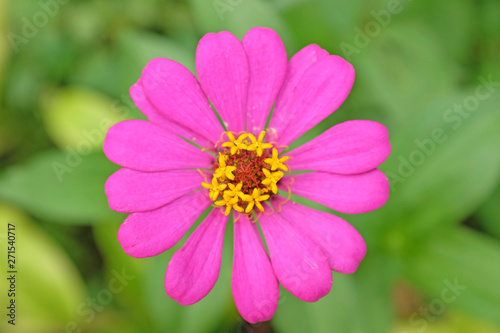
489,213
374,281
136,48
488,42
336,310
342,16
99,70
85,22
400,65
457,33
321,32
116,260
449,322
65,187
285,4
163,310
239,16
441,170
5,48
49,288
79,118
366,292
460,269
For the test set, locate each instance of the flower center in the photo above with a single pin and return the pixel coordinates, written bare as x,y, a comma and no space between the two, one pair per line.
245,173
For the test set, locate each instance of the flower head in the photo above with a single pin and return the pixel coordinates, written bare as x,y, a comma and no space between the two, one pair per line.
166,183
252,172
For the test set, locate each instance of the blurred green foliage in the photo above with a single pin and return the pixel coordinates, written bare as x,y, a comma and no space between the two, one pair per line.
420,65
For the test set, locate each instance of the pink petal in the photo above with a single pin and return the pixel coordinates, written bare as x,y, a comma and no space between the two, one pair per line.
299,263
144,146
134,191
194,269
351,147
297,66
321,90
341,242
267,61
222,67
176,93
155,116
350,194
255,287
150,233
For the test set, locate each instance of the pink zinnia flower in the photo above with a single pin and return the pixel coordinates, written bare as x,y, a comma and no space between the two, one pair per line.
167,183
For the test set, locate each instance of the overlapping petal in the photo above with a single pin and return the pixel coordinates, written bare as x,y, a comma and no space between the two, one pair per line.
350,147
147,234
144,146
321,89
175,92
255,287
267,61
341,242
135,191
141,101
350,194
222,68
298,64
194,269
300,265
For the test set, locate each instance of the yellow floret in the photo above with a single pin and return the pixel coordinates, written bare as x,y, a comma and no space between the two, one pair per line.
235,144
255,199
230,203
272,179
214,188
224,171
257,144
275,162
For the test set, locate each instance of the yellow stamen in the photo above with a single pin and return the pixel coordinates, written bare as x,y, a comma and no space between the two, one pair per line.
214,188
234,191
255,199
275,162
235,144
230,203
272,179
237,181
224,171
257,144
